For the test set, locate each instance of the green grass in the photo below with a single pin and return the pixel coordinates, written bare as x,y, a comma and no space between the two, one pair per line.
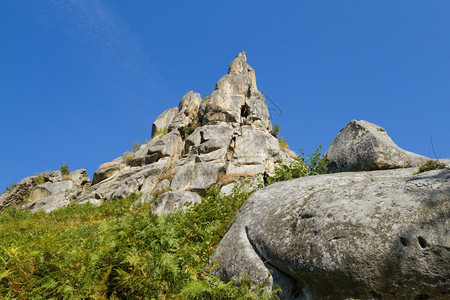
84,251
431,165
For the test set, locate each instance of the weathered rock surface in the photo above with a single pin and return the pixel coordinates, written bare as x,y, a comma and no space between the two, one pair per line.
18,192
106,171
164,120
196,177
363,146
170,201
365,235
50,188
80,177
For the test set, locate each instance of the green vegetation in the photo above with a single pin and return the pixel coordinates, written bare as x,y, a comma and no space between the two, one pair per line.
9,188
127,157
283,144
161,132
301,166
64,169
205,99
276,130
110,251
431,165
39,178
91,252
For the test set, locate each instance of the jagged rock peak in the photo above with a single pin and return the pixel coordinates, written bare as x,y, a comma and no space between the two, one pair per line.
240,66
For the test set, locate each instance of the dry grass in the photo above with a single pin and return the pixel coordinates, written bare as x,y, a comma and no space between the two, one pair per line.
229,178
108,164
168,176
283,144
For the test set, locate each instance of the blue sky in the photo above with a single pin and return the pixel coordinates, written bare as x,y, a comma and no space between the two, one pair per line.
81,80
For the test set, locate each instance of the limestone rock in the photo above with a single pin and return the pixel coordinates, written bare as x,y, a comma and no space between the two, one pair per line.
50,188
164,120
210,143
52,202
196,177
365,235
255,152
188,111
239,66
365,146
169,145
16,195
106,171
170,201
53,176
80,178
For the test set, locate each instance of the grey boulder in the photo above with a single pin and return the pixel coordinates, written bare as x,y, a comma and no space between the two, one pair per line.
365,235
80,177
364,146
164,120
51,188
170,201
196,177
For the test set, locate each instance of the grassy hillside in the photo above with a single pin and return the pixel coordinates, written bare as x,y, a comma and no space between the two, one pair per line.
84,251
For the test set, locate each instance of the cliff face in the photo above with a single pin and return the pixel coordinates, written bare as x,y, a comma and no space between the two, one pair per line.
194,146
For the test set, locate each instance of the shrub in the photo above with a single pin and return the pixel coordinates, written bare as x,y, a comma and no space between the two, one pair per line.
431,165
159,133
127,157
283,144
39,178
205,99
300,166
64,169
276,130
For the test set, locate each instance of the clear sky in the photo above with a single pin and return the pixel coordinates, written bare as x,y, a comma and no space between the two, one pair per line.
81,80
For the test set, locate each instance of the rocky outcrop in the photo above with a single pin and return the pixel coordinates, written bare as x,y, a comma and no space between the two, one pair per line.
365,235
228,132
363,146
53,186
164,120
17,193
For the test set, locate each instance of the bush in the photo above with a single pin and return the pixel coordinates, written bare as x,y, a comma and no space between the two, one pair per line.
127,157
276,130
300,166
64,169
161,132
431,165
283,144
39,178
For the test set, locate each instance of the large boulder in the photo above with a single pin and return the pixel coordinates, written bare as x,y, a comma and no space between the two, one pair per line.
196,177
169,145
80,177
364,146
50,188
365,235
164,120
106,171
255,152
188,111
52,202
170,201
